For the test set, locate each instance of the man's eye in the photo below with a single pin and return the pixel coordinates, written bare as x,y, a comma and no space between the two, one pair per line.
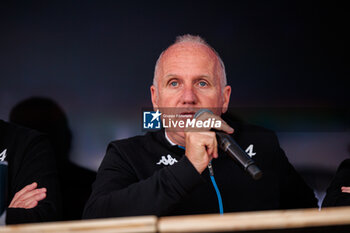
202,84
174,84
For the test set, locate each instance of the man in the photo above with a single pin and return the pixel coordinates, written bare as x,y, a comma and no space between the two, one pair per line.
46,116
32,190
338,192
133,179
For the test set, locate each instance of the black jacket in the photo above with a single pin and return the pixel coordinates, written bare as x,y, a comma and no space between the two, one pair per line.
130,182
30,158
334,196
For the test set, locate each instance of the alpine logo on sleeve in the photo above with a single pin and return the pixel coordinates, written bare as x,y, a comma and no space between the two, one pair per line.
250,151
3,155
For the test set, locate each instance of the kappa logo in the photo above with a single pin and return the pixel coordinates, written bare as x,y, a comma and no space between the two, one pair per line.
167,161
3,155
249,150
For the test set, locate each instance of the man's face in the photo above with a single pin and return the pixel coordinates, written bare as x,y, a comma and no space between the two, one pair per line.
188,78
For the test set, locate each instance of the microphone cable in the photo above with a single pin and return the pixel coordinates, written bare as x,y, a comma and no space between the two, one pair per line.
212,178
211,173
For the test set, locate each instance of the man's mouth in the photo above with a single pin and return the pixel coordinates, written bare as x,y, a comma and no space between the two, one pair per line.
189,114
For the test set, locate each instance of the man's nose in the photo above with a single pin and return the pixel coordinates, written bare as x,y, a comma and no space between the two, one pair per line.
189,96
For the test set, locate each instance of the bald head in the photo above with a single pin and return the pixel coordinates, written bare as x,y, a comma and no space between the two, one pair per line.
190,45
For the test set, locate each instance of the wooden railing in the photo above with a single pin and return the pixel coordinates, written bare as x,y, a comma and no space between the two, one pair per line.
303,220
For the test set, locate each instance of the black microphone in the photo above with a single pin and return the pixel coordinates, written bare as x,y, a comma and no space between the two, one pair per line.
231,148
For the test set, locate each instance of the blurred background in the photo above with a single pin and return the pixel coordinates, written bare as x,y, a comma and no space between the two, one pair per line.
285,61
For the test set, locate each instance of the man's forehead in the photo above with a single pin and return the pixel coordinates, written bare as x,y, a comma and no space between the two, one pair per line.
186,54
189,48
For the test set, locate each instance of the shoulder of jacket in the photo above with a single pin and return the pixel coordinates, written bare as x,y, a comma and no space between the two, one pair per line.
345,165
128,141
14,132
245,128
132,143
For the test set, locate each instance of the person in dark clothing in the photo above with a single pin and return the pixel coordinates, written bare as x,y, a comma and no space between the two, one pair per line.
32,190
130,182
338,193
173,172
45,115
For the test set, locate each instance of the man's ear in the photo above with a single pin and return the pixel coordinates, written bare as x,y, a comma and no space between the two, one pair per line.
226,98
154,97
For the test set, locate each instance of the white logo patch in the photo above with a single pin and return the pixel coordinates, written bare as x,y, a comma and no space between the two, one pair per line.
3,155
167,161
249,150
